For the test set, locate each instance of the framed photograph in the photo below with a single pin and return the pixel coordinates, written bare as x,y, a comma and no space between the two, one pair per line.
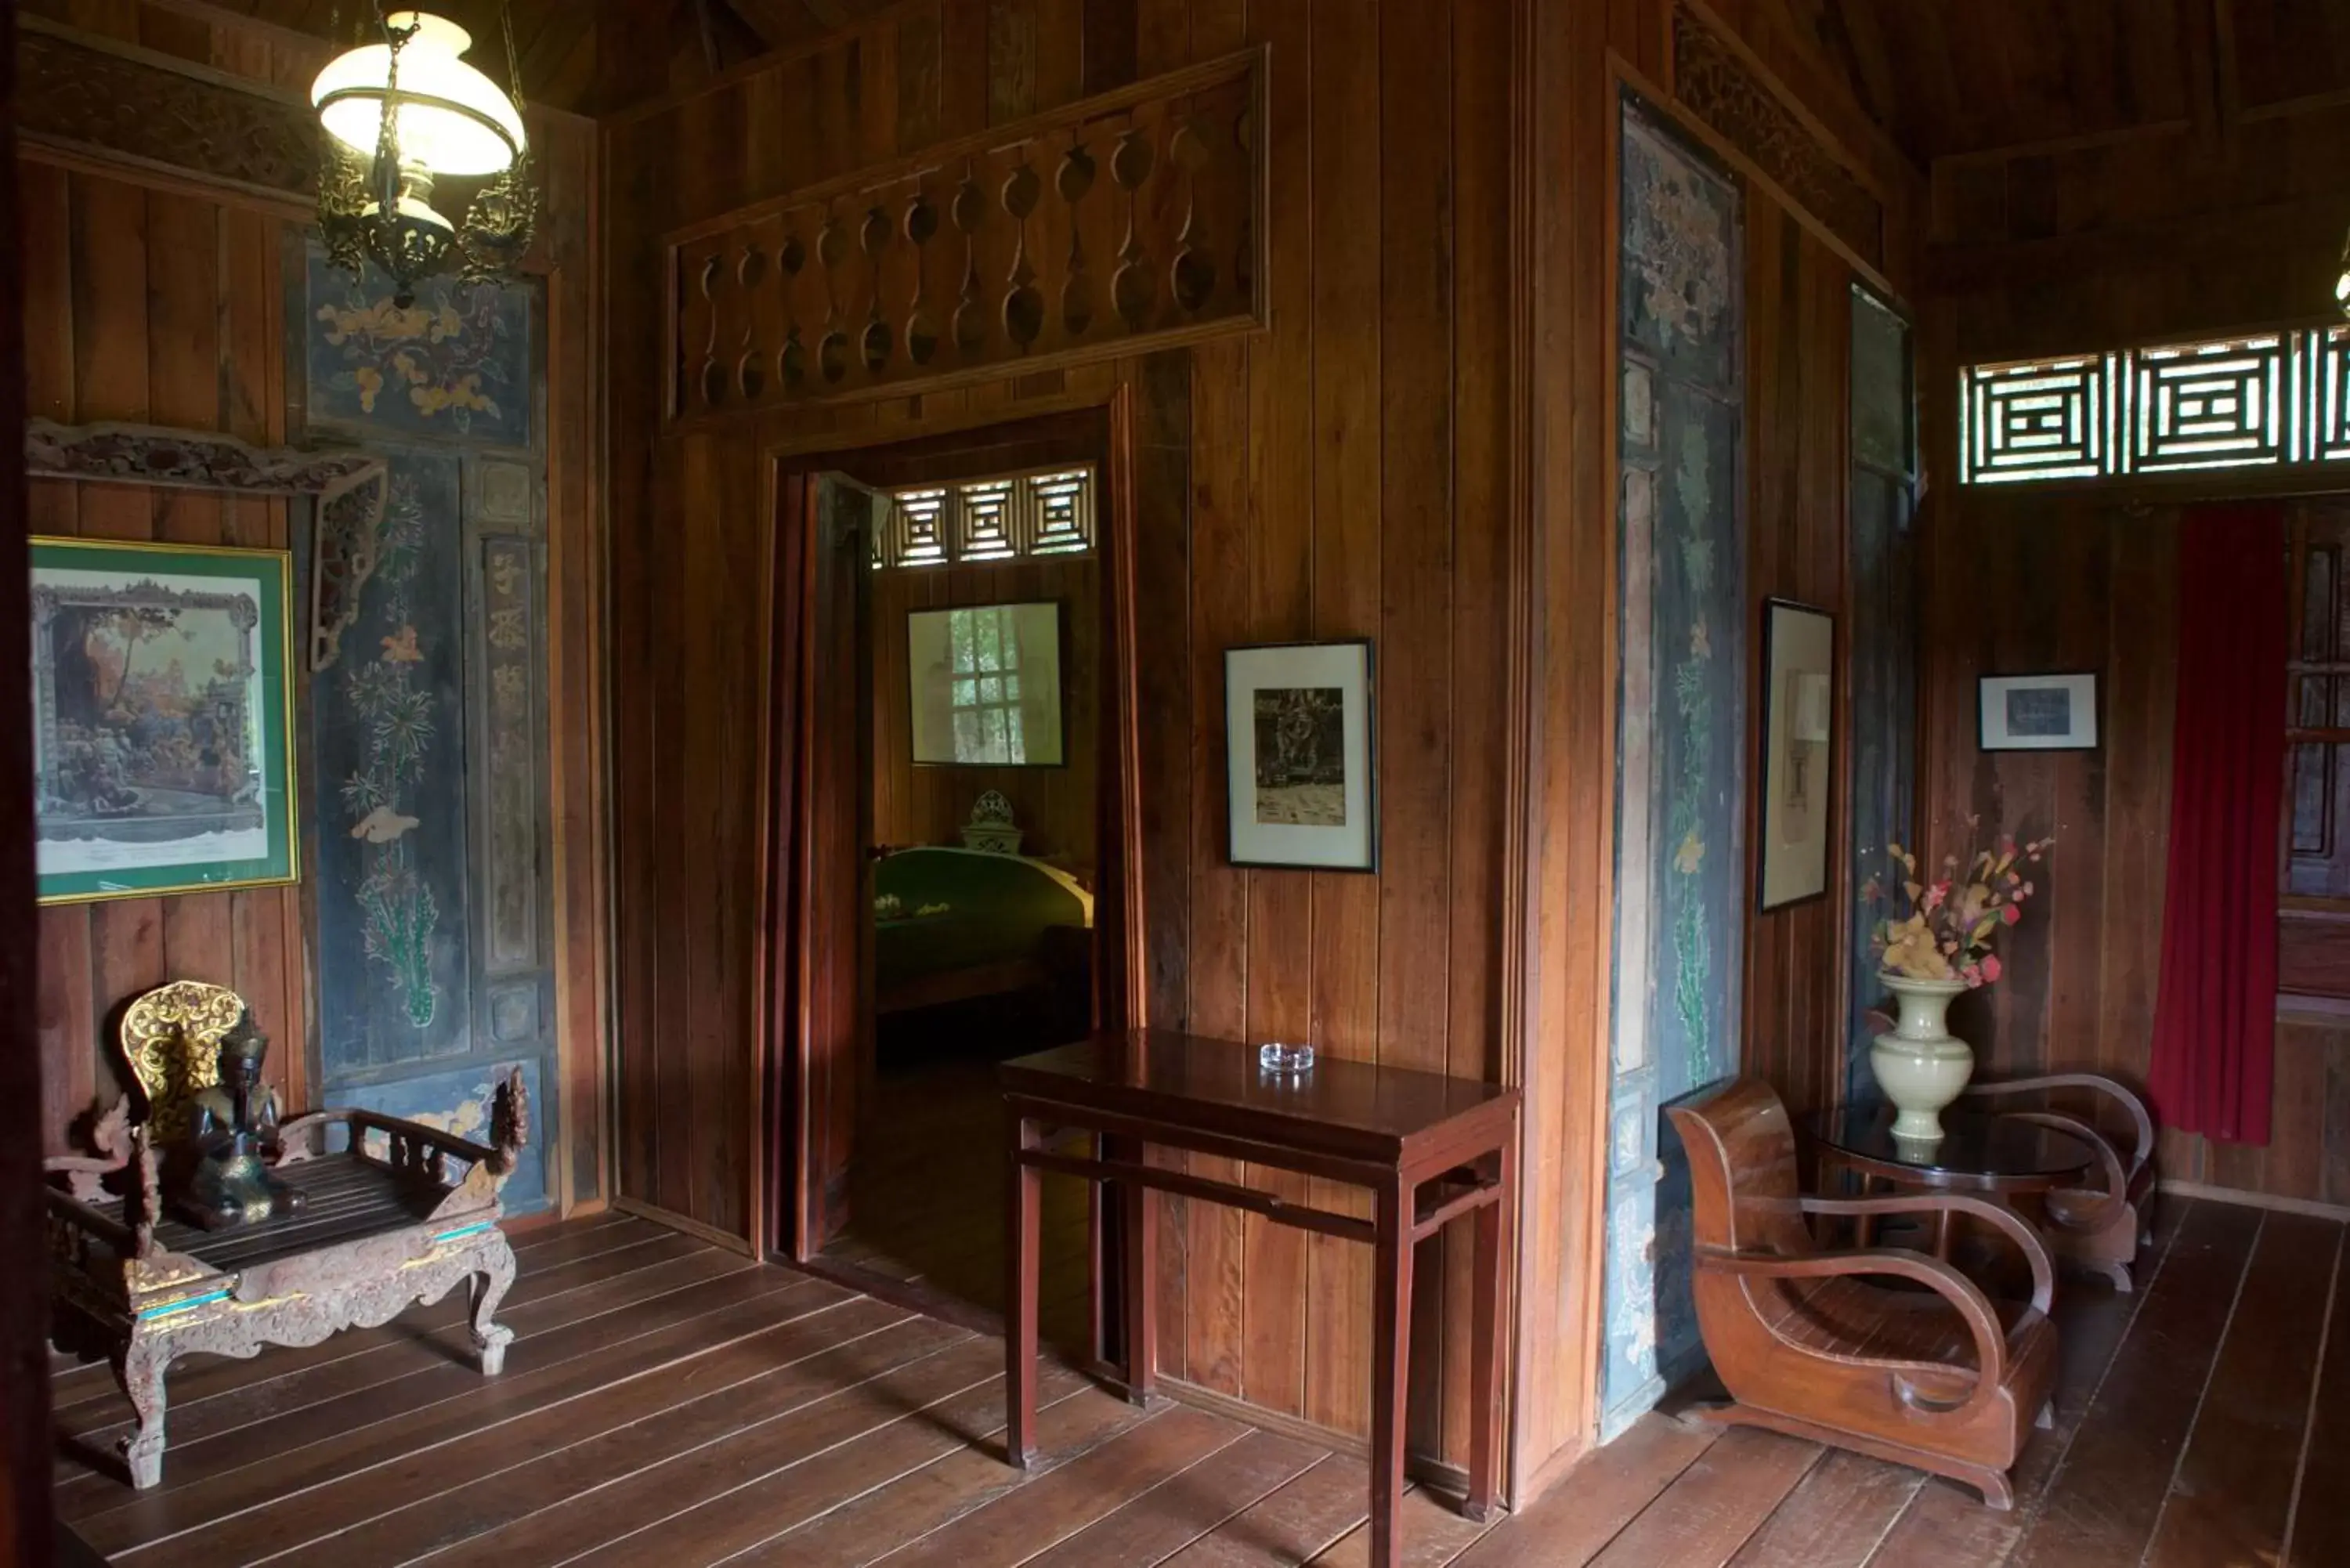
163,719
2038,713
1798,751
984,684
1298,727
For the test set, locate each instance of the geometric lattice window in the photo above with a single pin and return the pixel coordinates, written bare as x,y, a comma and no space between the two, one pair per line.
2034,421
2206,405
2270,399
2324,415
983,525
917,532
1064,520
1002,517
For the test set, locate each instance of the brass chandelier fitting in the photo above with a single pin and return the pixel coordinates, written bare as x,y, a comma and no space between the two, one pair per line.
399,114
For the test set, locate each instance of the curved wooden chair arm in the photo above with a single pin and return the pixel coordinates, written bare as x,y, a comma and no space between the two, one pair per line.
2141,1121
2027,1240
2116,1193
1964,1294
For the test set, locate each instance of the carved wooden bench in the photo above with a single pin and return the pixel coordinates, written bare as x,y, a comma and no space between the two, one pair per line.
394,1213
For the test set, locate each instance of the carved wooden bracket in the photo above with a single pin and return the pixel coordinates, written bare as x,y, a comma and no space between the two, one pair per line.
1713,80
1124,221
351,488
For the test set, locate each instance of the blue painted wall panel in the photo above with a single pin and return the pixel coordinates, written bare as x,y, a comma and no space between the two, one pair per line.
1680,872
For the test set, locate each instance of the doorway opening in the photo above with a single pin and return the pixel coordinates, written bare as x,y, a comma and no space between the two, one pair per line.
951,836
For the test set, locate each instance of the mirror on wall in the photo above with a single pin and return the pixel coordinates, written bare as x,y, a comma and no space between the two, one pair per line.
983,682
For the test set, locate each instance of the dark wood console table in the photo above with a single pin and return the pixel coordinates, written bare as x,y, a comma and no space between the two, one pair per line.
1391,1130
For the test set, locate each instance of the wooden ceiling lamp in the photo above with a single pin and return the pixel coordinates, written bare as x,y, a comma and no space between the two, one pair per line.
401,113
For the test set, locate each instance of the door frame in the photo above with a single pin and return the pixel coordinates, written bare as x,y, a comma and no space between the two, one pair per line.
786,1229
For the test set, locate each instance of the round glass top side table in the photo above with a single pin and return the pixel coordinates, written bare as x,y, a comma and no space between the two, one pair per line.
2000,1158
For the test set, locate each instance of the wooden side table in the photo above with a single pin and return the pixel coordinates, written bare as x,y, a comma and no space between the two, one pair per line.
1391,1130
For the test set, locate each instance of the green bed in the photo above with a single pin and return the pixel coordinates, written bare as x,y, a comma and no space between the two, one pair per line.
954,925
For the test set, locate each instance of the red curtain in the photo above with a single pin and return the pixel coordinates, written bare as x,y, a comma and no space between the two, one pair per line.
2215,1014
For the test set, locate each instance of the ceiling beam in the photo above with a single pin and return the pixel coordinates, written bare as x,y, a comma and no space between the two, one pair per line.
2194,238
2207,51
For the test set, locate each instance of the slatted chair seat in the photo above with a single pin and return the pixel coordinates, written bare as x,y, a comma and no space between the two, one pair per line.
1912,1333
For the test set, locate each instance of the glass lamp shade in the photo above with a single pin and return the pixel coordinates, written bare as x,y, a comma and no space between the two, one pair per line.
453,119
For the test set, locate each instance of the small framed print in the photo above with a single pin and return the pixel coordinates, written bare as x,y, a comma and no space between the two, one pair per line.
2038,713
1798,753
1301,757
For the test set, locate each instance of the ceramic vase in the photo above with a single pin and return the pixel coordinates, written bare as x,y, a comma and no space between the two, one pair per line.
1920,1065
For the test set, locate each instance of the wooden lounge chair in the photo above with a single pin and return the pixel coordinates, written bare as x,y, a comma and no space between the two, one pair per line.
1814,1343
2100,1227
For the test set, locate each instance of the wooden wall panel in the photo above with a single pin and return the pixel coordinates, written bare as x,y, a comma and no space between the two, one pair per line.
1798,348
2167,233
1418,451
154,299
2083,582
157,307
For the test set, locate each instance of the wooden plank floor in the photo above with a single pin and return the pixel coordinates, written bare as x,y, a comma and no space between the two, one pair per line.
666,1403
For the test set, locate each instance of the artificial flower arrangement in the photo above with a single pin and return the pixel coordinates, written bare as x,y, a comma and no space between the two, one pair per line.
1948,930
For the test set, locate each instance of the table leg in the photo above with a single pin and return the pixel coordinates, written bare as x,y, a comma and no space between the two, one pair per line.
1139,1207
1863,1226
1390,1365
1097,1301
1486,1395
1022,1235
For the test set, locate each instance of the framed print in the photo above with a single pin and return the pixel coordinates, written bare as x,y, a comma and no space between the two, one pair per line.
2037,712
162,703
1300,758
1798,751
983,683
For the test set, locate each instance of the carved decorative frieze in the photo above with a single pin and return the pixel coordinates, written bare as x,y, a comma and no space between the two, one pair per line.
1713,81
351,487
131,105
1102,228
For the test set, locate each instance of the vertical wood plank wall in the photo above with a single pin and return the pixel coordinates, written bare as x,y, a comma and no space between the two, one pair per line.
1347,473
163,308
155,300
2170,235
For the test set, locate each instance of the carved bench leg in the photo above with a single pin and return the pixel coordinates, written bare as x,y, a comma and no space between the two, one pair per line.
488,1287
139,1367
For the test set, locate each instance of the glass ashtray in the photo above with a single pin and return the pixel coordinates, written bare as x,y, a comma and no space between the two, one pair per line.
1275,1056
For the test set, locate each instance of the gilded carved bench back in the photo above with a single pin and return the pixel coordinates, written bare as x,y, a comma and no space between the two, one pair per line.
170,1040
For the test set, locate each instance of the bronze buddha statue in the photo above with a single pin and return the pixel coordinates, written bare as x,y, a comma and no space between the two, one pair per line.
232,1128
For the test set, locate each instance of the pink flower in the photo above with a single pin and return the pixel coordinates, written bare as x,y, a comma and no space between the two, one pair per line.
2011,914
1936,894
1972,974
2027,889
1989,968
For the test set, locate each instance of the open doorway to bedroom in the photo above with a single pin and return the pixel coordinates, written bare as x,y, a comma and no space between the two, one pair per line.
979,751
